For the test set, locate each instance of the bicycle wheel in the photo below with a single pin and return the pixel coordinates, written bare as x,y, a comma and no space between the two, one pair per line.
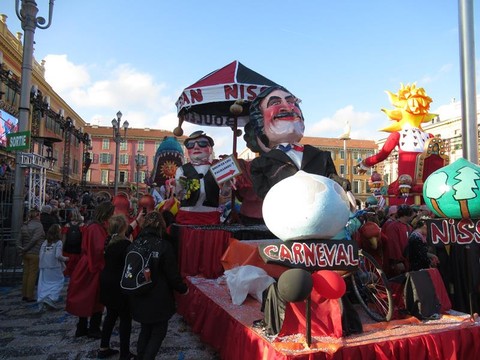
370,285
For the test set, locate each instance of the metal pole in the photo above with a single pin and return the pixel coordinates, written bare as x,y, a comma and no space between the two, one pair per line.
308,320
345,156
467,66
138,169
28,17
117,155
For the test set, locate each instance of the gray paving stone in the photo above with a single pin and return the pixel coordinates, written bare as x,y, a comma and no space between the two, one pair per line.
49,335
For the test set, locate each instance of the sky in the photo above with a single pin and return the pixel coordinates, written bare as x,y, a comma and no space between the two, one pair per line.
339,57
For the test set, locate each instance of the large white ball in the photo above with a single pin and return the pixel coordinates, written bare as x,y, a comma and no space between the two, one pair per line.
306,206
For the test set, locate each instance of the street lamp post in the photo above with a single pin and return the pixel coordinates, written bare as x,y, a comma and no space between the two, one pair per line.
137,163
345,136
117,137
27,14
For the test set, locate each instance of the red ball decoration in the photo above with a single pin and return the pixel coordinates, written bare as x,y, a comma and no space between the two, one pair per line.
146,201
121,203
329,284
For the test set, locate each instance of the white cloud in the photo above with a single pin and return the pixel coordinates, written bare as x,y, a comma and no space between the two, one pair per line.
143,102
122,87
364,125
63,75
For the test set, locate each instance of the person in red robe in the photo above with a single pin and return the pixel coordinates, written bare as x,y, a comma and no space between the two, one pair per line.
83,294
122,205
396,240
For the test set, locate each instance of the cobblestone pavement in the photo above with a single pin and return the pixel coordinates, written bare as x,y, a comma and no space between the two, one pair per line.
27,334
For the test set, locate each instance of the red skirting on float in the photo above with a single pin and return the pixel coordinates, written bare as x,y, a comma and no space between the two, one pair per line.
228,328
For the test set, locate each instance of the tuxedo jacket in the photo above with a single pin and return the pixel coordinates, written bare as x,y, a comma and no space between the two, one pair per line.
275,165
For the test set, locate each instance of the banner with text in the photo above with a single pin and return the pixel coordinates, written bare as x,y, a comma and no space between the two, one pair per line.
312,255
451,231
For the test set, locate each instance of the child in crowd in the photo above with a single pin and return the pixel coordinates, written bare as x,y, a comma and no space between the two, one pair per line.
72,239
110,293
51,265
154,308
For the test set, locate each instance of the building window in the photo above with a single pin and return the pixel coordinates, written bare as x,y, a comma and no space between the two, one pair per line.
386,179
142,159
342,170
139,176
88,177
157,144
122,177
75,166
123,145
56,156
104,177
105,144
141,145
354,170
355,155
342,154
105,158
357,187
123,159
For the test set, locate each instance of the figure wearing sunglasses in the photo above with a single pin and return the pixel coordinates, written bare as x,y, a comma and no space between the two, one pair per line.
195,186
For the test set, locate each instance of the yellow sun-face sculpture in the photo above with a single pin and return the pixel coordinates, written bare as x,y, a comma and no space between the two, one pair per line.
411,108
168,169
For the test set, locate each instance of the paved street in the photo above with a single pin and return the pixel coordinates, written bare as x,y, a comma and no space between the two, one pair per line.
27,334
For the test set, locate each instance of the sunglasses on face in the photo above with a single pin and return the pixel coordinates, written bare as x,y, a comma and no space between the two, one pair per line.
202,143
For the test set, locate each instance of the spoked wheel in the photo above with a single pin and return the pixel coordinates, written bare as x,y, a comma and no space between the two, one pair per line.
371,288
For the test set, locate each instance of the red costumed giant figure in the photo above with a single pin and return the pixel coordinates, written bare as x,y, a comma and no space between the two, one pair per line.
411,110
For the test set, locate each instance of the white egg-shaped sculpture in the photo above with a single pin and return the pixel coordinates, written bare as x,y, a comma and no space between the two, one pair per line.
306,206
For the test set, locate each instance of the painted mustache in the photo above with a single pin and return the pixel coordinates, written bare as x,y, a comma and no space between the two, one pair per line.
289,114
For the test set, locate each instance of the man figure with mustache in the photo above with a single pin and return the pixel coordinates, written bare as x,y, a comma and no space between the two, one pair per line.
275,129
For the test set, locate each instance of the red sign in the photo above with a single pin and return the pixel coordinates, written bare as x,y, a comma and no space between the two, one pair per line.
312,255
453,231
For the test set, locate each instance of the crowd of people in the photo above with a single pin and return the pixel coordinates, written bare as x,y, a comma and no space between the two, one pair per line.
91,255
396,236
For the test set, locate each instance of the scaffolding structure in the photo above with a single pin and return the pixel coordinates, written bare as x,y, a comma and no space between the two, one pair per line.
37,166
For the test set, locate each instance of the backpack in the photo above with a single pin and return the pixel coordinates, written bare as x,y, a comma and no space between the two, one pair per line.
73,239
141,257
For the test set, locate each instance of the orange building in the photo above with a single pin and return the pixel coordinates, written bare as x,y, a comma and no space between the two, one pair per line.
136,157
345,162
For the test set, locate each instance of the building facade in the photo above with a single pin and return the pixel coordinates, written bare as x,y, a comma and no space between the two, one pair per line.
136,157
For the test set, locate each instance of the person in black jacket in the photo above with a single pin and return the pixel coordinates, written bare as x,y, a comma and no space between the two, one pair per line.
47,218
111,296
154,308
